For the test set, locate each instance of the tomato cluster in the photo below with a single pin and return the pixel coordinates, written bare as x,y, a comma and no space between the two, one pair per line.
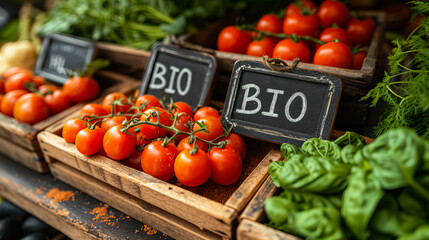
29,99
300,34
162,142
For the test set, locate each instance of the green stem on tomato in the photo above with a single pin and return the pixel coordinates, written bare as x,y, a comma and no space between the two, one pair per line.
282,35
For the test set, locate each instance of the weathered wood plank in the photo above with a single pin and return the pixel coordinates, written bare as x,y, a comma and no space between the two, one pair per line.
248,230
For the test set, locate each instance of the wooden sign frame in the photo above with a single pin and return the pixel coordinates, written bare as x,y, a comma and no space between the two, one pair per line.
45,51
272,133
187,55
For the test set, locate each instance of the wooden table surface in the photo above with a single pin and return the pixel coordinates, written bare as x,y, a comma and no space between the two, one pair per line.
79,217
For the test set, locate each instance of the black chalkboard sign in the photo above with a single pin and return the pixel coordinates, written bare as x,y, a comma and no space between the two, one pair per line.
180,74
61,54
280,106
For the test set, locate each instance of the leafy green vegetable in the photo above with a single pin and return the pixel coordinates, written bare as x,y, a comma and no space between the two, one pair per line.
421,233
395,158
323,148
313,174
350,138
406,87
360,200
307,200
288,150
273,169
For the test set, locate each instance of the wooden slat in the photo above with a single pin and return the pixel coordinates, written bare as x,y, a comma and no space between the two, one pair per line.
205,213
248,230
28,189
136,208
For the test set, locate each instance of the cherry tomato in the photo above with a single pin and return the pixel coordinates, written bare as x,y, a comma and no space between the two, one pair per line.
206,111
270,23
17,81
31,108
358,59
301,25
108,100
334,54
149,100
158,161
71,128
89,141
81,89
299,5
47,88
236,141
329,34
288,50
119,145
142,139
184,144
39,80
58,101
1,86
214,127
111,121
333,12
9,101
1,99
226,165
92,109
153,132
14,70
231,39
192,170
182,124
134,161
361,31
261,47
179,107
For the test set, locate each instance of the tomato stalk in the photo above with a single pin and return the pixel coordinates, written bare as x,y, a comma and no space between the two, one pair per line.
294,37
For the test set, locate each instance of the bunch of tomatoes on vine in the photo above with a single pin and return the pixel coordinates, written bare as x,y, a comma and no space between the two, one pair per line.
325,35
162,141
30,99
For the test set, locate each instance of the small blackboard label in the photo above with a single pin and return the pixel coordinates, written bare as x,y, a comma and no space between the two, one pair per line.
280,106
61,54
180,74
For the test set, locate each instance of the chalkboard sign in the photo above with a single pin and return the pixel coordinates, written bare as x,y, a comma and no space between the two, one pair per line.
280,106
180,74
61,54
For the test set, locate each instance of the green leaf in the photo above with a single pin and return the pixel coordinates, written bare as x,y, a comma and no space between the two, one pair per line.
178,26
350,138
289,150
360,200
273,170
421,233
323,148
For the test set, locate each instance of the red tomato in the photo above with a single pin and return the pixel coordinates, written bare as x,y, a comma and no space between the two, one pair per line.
9,100
92,109
231,39
301,25
142,139
299,5
89,141
288,50
179,107
149,100
192,170
261,47
14,70
334,54
358,59
47,88
108,100
17,81
270,23
153,132
71,128
58,101
31,108
184,144
39,80
361,31
214,127
1,86
111,121
119,145
226,165
158,161
329,34
333,12
134,161
206,111
236,141
182,124
81,89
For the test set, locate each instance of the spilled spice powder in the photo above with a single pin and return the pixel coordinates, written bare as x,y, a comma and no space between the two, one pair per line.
39,191
102,216
59,196
149,230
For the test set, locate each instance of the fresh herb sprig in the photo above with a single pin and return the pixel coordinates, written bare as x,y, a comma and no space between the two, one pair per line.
405,88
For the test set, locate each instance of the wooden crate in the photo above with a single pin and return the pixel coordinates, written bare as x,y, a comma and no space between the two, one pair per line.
18,140
209,213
